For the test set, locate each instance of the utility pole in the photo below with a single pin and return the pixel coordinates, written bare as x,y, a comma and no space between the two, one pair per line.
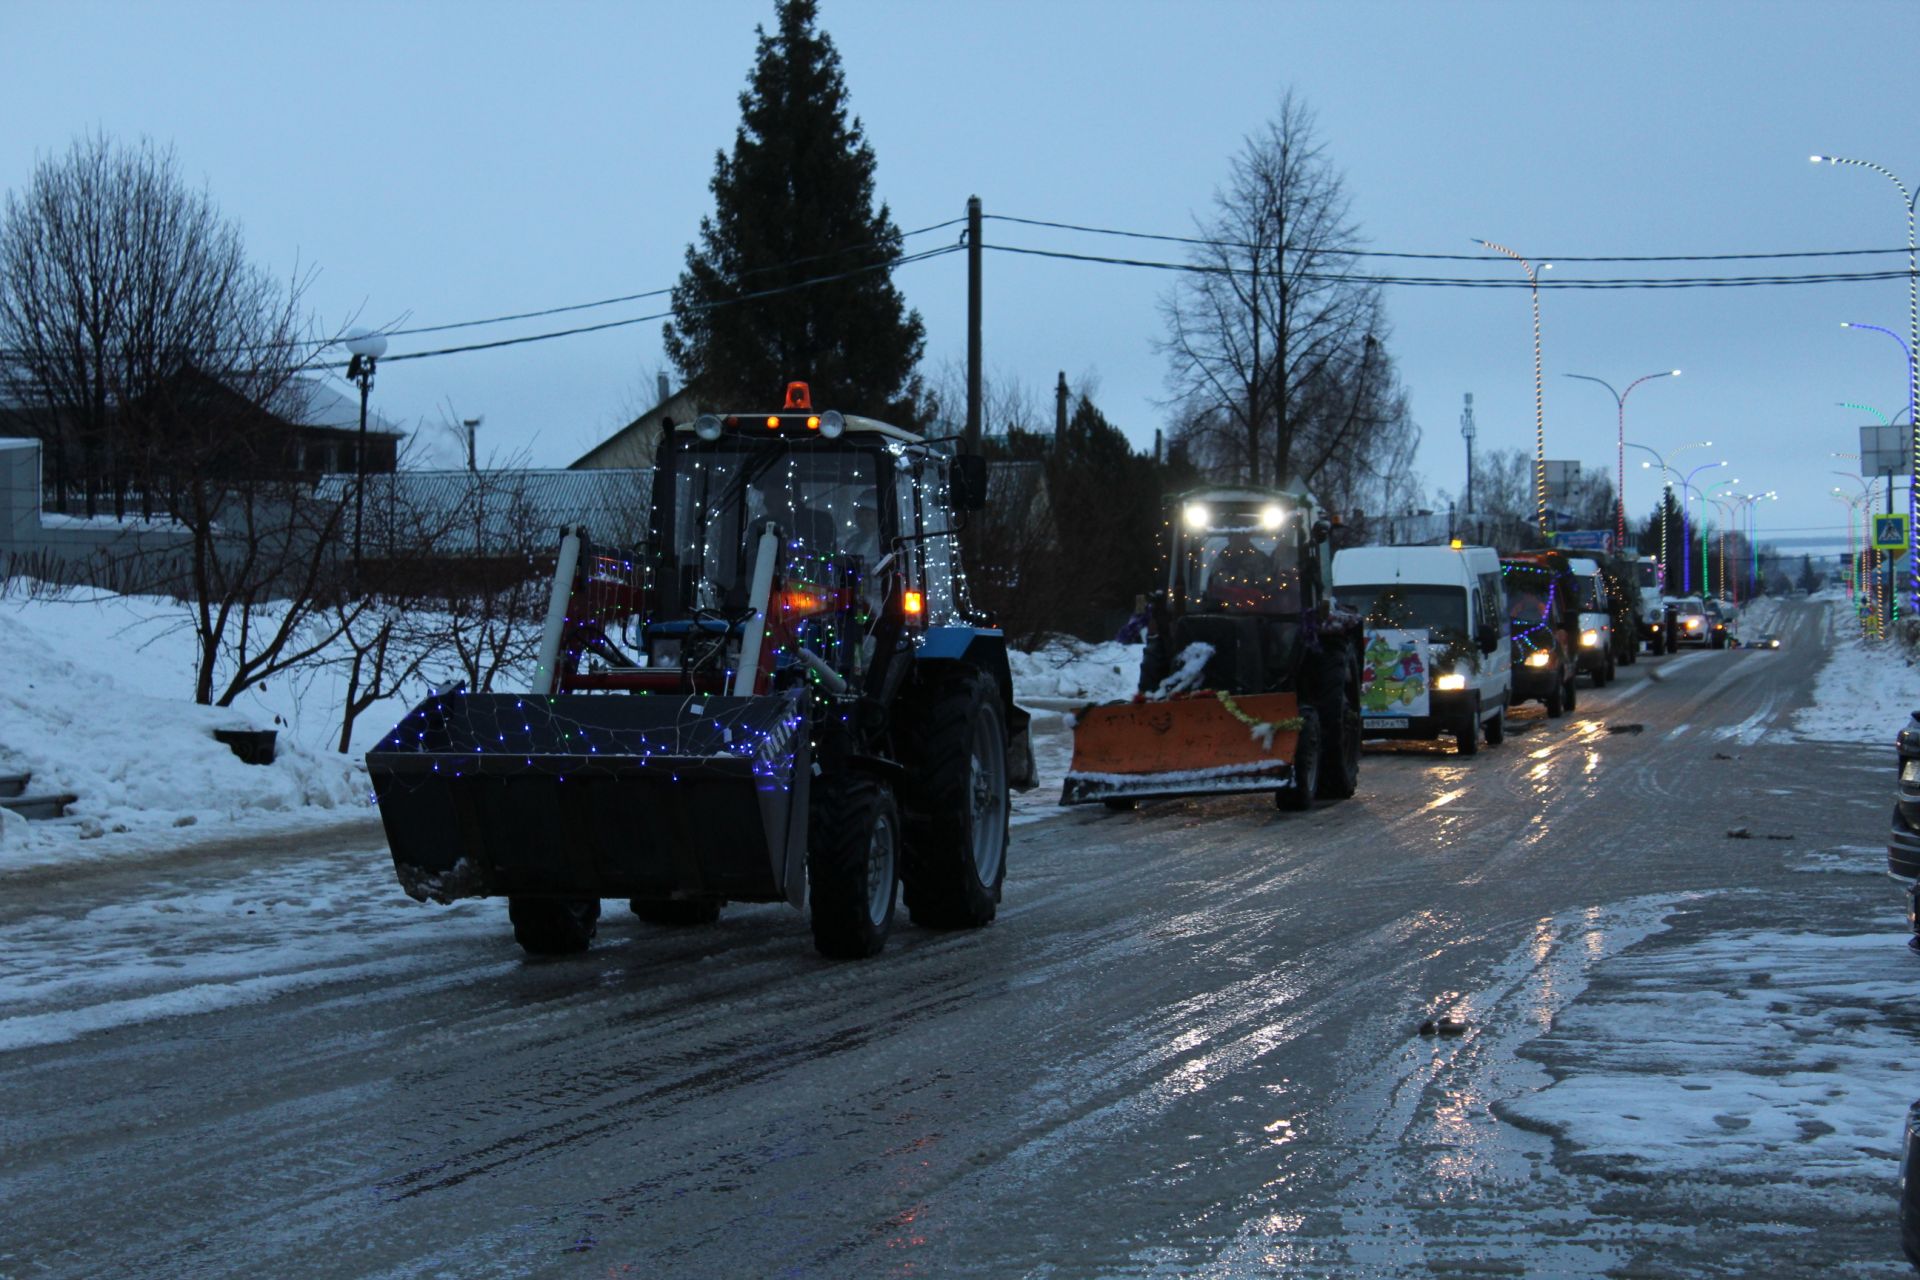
971,441
1467,433
1060,411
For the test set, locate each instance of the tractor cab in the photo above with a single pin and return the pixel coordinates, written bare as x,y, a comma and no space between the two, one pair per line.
1244,567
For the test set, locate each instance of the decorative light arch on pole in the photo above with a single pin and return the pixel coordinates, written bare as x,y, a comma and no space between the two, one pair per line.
1666,492
1539,386
1620,485
1907,199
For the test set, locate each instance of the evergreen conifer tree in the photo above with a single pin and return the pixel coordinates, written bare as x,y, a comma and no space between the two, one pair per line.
795,203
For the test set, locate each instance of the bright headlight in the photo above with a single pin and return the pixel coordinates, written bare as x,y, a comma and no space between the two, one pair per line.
1540,659
1197,516
1271,515
1693,624
1588,639
1450,683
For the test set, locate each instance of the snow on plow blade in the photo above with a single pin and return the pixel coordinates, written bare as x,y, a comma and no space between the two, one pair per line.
607,795
1194,745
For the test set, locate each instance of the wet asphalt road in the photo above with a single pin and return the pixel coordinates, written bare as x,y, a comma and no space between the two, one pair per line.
1187,1047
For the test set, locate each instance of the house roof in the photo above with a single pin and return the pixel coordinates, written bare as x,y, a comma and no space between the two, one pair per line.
454,513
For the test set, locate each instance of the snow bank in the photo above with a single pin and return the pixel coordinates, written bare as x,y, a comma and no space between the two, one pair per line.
1750,1060
1864,691
97,702
1051,681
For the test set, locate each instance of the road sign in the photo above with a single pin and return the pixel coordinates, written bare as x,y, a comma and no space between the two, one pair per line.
1584,540
1886,451
1890,532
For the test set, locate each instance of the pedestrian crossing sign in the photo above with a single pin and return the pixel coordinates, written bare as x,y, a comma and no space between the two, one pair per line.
1890,532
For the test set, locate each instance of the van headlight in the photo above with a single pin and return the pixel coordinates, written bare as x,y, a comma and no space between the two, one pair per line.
1588,639
1450,683
1539,658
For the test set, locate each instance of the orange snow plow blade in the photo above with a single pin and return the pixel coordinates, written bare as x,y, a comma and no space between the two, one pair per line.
1203,744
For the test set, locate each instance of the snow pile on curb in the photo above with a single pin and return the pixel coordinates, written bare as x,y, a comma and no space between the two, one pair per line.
1864,691
1769,1064
97,703
1073,671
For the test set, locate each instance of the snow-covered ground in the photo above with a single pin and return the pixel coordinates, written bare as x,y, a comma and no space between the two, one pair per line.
98,702
1759,1068
1864,691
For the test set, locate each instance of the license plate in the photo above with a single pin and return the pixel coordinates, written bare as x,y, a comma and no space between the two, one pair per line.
1386,722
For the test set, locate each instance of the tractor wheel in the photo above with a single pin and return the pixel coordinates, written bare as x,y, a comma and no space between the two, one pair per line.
1556,701
553,926
1573,693
676,911
956,849
1613,669
1306,766
1497,728
853,860
1340,754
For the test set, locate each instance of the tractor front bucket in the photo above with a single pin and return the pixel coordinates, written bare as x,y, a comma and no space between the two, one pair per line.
598,796
1203,744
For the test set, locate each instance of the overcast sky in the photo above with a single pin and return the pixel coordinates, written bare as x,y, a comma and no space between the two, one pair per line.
448,162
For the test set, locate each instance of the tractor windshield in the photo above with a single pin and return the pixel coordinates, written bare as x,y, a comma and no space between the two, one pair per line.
823,501
1243,570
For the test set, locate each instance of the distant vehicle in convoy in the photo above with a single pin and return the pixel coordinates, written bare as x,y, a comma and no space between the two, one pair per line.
1766,640
1594,639
1654,613
1542,612
1719,623
1449,602
1690,622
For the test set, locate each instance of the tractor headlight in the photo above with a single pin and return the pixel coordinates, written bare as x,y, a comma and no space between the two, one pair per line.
1539,658
1589,639
1451,683
832,423
1197,516
1271,515
707,427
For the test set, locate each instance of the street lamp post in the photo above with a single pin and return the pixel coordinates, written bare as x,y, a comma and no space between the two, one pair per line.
1539,386
1907,199
366,349
1620,403
1686,537
1666,502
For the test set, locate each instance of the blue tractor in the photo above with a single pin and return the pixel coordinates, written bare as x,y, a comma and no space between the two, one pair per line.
781,698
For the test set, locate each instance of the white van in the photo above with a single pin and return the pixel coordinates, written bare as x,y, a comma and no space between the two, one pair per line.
1436,659
1595,651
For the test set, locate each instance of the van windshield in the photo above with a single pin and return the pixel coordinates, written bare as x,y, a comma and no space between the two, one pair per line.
1441,610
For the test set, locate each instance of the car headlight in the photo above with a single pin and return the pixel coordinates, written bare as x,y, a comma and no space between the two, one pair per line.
1451,683
1656,626
1588,639
1693,624
1539,659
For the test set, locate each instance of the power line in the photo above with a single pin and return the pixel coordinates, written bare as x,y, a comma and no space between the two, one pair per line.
923,256
1463,282
660,293
1207,242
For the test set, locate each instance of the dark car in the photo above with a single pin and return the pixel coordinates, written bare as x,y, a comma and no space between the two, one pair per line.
1910,1188
1903,839
1543,621
1719,633
1765,640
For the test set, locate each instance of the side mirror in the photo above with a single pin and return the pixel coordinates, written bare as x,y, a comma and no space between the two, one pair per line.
1489,637
967,482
